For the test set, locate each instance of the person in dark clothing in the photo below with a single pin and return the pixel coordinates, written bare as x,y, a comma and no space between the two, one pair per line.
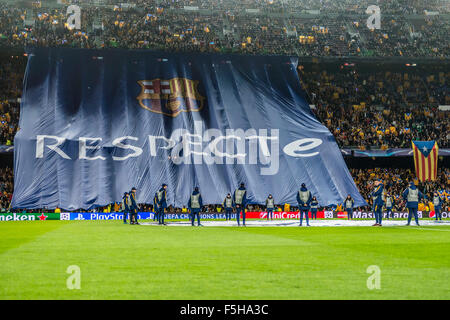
412,195
162,203
155,207
195,204
133,207
348,206
240,201
228,206
125,207
304,199
314,207
270,205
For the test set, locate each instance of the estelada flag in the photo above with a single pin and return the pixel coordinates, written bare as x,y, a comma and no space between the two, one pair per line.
425,159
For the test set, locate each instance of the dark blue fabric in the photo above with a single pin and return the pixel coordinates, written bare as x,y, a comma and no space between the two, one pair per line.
412,211
244,112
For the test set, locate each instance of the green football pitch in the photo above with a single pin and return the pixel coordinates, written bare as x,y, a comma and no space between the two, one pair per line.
118,261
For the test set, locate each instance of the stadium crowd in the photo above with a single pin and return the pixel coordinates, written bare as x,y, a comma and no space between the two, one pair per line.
6,188
382,109
11,75
161,26
391,6
9,119
396,181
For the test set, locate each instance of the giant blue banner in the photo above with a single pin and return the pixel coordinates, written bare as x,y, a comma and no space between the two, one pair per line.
395,152
95,123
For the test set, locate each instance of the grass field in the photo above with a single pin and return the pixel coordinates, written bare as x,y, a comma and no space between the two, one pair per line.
152,262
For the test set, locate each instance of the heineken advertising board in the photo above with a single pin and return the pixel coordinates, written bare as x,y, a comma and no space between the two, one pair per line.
13,216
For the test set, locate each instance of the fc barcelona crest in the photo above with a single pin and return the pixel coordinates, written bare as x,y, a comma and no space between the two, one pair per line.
170,97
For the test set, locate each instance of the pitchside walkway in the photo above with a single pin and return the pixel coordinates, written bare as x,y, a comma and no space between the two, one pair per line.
295,223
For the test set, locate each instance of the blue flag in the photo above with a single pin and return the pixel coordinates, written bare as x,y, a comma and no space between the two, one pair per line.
95,123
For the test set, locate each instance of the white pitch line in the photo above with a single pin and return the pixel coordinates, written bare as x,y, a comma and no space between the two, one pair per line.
425,229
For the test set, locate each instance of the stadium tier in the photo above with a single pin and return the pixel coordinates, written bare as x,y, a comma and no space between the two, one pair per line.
410,31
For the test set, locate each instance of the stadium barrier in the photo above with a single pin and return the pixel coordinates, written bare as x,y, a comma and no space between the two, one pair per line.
293,215
24,216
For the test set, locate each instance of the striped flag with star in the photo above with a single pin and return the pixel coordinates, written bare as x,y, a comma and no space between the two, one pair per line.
425,159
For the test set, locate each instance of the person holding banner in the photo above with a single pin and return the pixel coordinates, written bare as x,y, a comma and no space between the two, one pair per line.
155,207
412,195
195,204
162,203
304,199
125,207
314,207
240,201
270,205
228,206
348,204
377,206
443,193
437,202
133,207
389,205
